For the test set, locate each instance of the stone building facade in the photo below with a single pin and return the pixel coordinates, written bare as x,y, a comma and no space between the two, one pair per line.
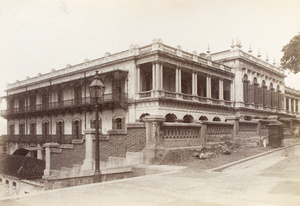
156,80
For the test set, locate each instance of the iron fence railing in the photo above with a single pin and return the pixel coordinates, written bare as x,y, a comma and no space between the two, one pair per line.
107,98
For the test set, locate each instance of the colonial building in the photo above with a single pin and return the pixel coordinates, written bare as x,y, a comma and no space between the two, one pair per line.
151,80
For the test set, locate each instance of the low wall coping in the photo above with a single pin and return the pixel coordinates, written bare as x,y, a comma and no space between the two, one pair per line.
154,118
217,122
112,132
249,122
176,124
51,145
91,131
232,118
136,125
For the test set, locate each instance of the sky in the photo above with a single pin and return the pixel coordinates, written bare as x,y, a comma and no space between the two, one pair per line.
37,36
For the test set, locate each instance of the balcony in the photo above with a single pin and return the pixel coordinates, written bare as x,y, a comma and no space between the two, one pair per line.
163,94
107,101
61,139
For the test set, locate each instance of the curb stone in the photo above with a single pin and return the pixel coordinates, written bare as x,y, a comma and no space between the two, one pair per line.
220,168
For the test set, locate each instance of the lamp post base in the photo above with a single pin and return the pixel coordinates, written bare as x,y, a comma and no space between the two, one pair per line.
97,177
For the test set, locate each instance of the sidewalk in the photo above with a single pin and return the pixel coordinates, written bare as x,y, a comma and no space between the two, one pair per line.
254,184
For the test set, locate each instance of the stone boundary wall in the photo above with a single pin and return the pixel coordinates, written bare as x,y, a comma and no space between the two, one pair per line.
50,184
217,131
67,155
181,134
120,142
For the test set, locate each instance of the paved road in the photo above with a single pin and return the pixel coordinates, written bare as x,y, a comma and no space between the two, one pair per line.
273,179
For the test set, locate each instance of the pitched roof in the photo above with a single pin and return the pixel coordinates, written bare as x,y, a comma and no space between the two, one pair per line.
21,167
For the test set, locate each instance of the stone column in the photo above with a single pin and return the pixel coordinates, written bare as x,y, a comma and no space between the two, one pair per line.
161,76
290,104
178,80
88,161
154,149
208,86
221,89
153,76
138,79
157,75
294,110
48,146
195,84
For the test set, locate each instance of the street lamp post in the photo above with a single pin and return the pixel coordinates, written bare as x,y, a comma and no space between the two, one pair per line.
96,89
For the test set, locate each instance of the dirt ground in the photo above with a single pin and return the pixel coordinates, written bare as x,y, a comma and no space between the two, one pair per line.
191,160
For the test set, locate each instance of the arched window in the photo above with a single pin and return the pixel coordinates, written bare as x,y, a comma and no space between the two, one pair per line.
264,93
32,128
255,85
143,115
60,131
272,95
45,129
12,129
119,123
170,117
188,118
203,118
245,88
21,129
76,129
217,119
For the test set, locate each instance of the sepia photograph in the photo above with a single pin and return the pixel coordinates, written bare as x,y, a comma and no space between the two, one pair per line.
147,103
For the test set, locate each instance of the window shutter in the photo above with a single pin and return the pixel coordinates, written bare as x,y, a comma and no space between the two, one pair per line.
73,129
276,99
268,98
272,98
245,91
114,126
256,94
260,95
123,122
250,93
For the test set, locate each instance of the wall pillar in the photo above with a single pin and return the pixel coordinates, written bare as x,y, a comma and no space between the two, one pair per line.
203,134
48,146
236,126
154,149
39,152
88,161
